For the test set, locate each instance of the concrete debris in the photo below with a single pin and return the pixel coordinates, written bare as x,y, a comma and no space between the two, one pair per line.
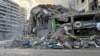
86,43
52,43
49,42
18,43
66,43
15,43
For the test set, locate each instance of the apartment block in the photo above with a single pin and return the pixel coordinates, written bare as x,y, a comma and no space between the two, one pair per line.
10,20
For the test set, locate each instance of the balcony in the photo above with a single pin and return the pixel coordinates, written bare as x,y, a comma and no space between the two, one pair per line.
5,30
4,24
5,27
3,3
14,6
3,9
12,15
4,18
9,8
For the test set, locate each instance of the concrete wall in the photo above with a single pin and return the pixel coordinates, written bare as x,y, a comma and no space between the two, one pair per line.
56,2
99,2
61,2
81,5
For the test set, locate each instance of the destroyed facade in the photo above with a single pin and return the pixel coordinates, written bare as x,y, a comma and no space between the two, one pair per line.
61,27
78,23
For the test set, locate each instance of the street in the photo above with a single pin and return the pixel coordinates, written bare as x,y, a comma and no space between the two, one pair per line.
58,52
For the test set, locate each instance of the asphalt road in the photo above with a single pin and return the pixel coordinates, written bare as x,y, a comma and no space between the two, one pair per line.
33,52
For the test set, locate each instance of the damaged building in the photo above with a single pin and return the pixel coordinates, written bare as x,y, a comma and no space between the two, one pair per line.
43,15
52,19
64,27
86,5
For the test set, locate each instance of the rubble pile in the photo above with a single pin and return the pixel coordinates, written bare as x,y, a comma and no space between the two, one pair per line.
86,43
51,42
65,43
68,43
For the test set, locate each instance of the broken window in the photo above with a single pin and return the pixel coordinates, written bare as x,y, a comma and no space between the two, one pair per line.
82,1
94,5
83,10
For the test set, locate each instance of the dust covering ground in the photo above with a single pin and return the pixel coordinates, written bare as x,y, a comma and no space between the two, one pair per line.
33,52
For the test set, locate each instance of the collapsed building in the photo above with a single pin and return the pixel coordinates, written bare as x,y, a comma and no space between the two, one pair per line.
51,19
43,15
61,26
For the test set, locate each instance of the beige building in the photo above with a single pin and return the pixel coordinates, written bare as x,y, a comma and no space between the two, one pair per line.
86,5
55,2
61,2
